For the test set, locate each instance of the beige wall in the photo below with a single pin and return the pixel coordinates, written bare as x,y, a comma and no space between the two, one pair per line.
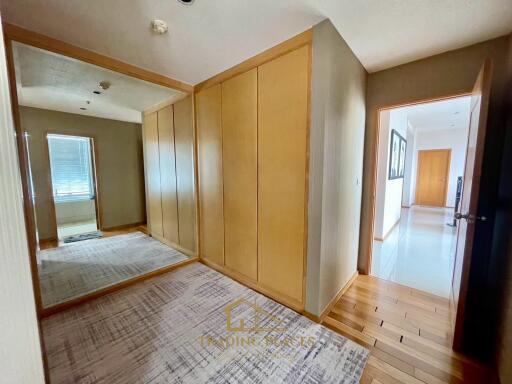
442,75
119,165
75,211
388,207
336,161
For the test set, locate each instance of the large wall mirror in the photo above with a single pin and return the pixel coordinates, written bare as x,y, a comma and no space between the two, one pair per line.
110,175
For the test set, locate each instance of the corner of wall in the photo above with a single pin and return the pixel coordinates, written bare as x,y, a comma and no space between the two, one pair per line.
336,161
316,162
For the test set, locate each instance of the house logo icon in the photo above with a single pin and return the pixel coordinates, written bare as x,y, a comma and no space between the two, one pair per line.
244,316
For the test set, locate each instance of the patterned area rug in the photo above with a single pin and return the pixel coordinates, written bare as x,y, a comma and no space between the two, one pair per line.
73,270
194,325
82,237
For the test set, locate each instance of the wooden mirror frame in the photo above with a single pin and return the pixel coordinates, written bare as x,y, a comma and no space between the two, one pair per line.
13,33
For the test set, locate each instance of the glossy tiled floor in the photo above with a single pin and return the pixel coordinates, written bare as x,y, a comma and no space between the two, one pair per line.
419,252
76,228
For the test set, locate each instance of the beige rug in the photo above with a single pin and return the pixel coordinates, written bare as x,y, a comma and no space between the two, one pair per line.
194,325
73,270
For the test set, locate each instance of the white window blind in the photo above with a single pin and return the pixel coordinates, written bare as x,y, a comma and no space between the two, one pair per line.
71,167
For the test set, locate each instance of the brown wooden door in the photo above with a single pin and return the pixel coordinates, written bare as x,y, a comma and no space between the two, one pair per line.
432,180
240,162
168,174
282,161
184,145
467,215
209,164
152,155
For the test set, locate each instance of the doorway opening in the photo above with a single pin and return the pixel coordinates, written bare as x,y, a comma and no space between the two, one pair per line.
72,172
420,166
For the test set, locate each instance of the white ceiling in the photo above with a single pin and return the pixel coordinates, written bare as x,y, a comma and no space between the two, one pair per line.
50,81
386,33
446,114
210,36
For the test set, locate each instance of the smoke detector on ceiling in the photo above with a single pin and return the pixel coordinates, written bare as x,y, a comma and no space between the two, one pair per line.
104,85
159,27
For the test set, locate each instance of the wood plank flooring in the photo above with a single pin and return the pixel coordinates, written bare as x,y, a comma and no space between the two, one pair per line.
408,332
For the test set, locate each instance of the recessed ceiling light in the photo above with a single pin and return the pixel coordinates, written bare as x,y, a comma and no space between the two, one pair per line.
159,27
186,2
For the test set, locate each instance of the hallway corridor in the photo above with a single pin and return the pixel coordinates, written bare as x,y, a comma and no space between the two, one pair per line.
419,251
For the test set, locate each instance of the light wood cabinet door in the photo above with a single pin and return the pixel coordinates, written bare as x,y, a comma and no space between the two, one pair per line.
152,159
239,135
184,144
282,155
209,158
432,179
168,174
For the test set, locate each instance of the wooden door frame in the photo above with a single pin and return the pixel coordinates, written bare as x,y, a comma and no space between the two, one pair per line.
13,33
445,192
94,157
375,159
96,182
21,35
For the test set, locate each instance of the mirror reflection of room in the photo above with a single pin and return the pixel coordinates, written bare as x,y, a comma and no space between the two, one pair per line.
84,134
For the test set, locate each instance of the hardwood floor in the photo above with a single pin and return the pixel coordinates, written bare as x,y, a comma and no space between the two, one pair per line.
408,333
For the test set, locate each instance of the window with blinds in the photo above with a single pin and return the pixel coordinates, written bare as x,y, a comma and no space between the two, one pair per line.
71,167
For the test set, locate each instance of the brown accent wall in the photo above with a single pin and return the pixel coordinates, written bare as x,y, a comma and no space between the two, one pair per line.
438,76
119,165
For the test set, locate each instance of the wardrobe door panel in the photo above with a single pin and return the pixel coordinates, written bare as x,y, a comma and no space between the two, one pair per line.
184,144
209,158
282,154
152,158
239,136
168,174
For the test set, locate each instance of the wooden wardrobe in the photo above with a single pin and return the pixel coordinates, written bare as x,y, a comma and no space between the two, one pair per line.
169,171
252,157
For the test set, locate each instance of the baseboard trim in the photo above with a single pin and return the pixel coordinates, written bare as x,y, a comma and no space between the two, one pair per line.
312,317
388,232
177,247
340,293
333,301
45,312
47,240
286,301
123,226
